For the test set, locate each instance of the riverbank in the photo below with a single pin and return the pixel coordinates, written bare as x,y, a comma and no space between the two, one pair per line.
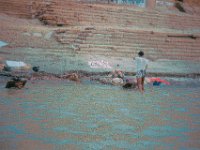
60,63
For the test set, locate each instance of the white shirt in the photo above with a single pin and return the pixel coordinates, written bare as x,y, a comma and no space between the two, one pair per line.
140,63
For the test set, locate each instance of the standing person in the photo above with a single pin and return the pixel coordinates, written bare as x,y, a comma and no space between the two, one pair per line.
141,65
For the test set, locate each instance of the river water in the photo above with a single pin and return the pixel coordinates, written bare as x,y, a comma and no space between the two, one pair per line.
62,115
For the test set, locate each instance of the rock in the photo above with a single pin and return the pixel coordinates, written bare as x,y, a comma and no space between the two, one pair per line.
72,77
129,85
179,6
131,82
36,68
90,28
106,80
117,81
16,83
117,74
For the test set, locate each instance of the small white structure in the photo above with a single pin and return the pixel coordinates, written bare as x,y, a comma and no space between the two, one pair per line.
16,65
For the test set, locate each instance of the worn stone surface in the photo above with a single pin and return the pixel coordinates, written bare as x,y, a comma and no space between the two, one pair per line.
37,34
112,30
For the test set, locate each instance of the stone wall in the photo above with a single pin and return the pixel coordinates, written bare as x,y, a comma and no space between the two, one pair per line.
33,8
117,30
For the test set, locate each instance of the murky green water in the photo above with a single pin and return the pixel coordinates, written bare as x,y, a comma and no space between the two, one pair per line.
62,115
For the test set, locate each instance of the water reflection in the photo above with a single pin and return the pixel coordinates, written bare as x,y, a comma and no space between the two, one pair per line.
64,115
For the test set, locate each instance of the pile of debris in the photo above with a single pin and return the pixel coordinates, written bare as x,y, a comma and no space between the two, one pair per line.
16,82
20,72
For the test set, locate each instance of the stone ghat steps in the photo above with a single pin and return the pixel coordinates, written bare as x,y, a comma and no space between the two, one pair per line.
128,39
169,48
20,8
148,53
117,33
60,53
37,52
18,41
127,43
155,45
177,42
61,12
56,54
127,49
80,14
33,42
152,14
123,21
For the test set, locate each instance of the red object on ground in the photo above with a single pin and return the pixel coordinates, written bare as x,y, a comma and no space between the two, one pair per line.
153,79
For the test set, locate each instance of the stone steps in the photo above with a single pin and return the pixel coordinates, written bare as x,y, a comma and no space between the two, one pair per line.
119,38
120,21
125,42
98,16
116,34
137,46
152,55
123,49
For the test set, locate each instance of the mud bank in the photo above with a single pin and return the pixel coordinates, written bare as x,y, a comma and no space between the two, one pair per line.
82,74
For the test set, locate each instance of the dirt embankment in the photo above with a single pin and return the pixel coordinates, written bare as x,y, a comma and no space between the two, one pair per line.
75,75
